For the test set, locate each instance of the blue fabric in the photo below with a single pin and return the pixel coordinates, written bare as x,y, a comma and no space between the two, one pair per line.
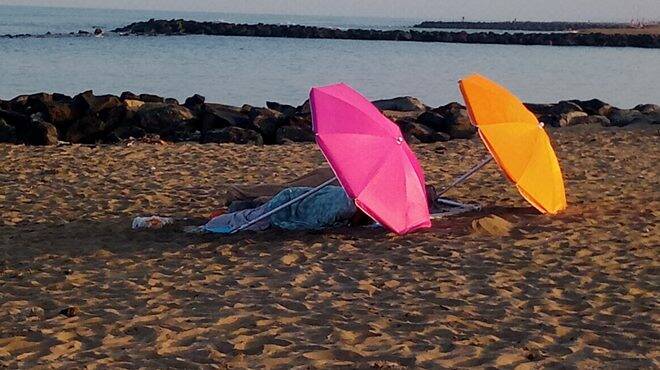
329,207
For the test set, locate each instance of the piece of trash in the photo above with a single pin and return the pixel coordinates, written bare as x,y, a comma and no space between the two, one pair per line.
153,222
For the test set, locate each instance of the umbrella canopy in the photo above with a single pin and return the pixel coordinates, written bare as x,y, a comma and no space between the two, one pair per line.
517,141
371,159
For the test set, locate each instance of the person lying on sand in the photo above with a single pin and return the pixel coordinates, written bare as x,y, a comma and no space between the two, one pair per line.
329,207
239,197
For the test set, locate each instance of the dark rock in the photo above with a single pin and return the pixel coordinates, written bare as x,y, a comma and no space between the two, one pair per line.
217,116
435,121
55,108
648,108
423,133
594,107
569,119
457,123
98,32
625,117
298,121
41,132
171,101
305,109
94,127
539,109
405,104
31,130
87,102
266,122
180,26
194,102
550,120
149,98
651,111
163,118
288,134
591,120
564,107
127,95
128,131
234,135
285,109
7,133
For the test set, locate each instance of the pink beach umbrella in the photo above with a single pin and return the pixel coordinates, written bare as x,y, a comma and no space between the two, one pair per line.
372,161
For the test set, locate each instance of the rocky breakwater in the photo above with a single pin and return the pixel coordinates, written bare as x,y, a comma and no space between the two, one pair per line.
49,119
521,26
183,27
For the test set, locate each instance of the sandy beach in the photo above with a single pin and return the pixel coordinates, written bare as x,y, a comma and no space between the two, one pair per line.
80,288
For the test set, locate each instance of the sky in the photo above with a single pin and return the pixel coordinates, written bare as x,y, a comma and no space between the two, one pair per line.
555,10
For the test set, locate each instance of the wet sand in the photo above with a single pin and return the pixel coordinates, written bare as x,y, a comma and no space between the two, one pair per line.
79,288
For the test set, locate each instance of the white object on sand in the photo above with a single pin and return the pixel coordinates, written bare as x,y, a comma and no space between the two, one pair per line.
153,222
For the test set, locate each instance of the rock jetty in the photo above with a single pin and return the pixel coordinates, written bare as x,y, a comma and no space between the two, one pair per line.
184,27
49,119
521,26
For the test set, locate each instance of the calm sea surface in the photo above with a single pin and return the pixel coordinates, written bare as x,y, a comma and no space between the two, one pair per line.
237,70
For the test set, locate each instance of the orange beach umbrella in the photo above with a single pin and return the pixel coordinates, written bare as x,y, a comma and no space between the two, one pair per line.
517,142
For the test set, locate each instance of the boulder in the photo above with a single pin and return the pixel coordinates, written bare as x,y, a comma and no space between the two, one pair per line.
422,133
590,120
163,119
594,107
648,108
218,116
55,108
266,122
93,128
285,109
435,121
651,111
406,104
234,135
565,107
539,109
194,102
42,133
31,130
87,102
7,133
625,117
457,123
150,98
133,105
171,101
304,109
571,118
295,134
127,95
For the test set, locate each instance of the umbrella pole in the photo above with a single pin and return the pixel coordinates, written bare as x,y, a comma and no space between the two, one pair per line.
467,175
279,208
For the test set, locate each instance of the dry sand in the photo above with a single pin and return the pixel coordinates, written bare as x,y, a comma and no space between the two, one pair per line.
79,288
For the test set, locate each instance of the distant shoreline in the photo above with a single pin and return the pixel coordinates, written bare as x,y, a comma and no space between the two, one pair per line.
186,27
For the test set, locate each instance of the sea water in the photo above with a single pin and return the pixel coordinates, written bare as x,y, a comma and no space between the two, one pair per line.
238,70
